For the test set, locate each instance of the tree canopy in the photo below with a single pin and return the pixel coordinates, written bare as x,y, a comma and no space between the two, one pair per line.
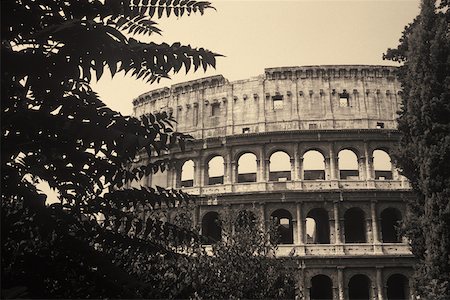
56,129
424,152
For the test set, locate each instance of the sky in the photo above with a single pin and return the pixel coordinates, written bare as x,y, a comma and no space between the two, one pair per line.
254,34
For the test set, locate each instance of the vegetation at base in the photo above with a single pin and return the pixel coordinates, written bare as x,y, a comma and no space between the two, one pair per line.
424,152
55,129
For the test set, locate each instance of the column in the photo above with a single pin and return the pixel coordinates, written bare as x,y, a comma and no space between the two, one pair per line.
337,227
333,163
300,224
199,172
373,212
362,168
379,280
293,169
378,248
228,167
369,162
296,167
234,171
328,169
261,166
341,288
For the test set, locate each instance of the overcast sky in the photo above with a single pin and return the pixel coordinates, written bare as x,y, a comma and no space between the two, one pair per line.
254,35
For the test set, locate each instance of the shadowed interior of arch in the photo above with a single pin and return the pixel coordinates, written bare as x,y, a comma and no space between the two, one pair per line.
397,287
317,227
359,287
285,228
321,288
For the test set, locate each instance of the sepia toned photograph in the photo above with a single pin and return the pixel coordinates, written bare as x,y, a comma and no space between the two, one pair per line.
232,149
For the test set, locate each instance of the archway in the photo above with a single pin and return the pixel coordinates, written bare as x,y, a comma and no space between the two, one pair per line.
187,174
359,287
280,166
348,165
247,168
390,219
397,287
355,226
285,228
321,233
321,288
313,165
211,228
215,170
382,165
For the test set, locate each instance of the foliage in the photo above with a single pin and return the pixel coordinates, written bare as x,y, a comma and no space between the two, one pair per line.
55,129
424,152
242,264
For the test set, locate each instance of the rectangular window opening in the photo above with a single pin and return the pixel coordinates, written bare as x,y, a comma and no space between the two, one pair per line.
380,125
246,130
215,109
344,99
277,102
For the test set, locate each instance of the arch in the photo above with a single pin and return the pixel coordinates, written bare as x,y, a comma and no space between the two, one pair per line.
321,287
348,165
247,167
280,166
397,287
211,228
313,165
359,287
390,218
321,229
285,228
355,226
382,165
215,170
187,173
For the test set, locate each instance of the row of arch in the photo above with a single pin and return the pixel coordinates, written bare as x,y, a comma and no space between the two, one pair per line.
280,167
360,287
318,226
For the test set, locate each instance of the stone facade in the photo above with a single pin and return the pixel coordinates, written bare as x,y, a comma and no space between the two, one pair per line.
313,116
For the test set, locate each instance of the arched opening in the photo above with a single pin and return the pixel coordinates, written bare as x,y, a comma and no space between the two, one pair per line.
348,165
245,220
211,228
321,227
359,287
247,168
187,174
313,165
390,219
397,287
355,226
321,287
382,165
285,228
280,167
215,170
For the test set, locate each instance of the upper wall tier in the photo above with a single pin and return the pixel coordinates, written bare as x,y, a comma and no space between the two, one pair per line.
287,98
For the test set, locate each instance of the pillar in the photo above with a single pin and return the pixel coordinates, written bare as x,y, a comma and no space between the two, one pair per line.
199,170
369,162
340,279
328,169
337,225
300,224
375,232
333,164
228,167
379,280
362,168
296,175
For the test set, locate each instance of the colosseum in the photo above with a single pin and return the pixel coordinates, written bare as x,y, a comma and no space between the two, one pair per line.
309,147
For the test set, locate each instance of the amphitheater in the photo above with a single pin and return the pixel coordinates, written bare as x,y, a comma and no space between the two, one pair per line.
308,146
